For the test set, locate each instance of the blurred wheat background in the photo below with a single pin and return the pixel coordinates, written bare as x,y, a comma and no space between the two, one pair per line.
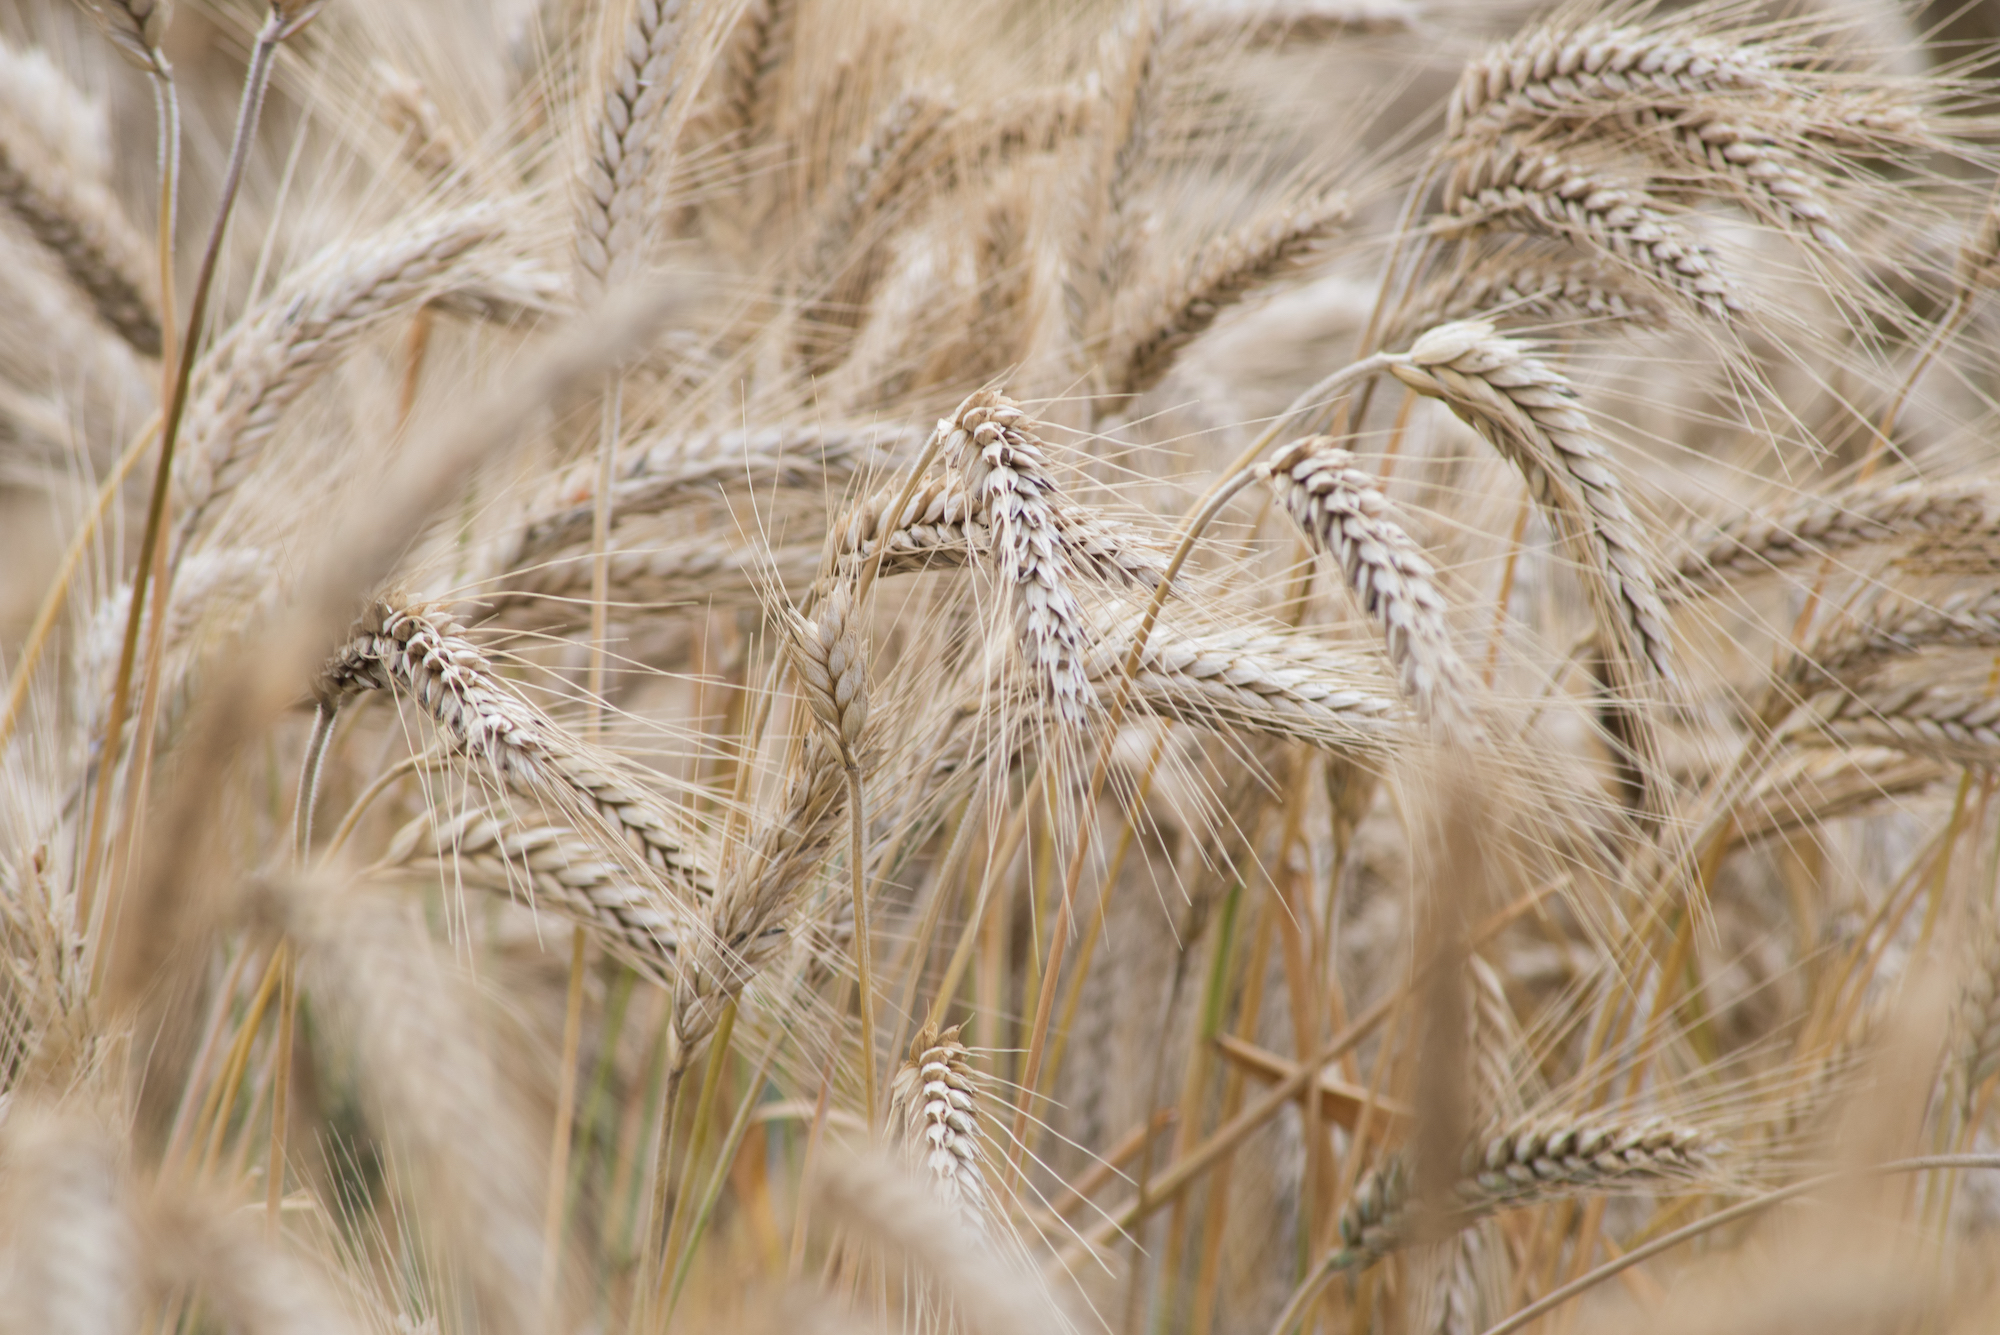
999,666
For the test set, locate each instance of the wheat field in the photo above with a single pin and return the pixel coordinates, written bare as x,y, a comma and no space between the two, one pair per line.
1001,666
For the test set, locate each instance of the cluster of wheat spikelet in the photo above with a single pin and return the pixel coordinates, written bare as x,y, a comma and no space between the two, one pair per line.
1187,665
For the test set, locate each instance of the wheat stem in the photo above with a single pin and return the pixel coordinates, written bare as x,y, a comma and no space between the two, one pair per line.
560,1136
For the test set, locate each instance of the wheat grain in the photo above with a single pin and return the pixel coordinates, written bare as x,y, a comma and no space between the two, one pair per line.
420,652
1527,411
1537,192
1344,513
275,353
79,222
934,1114
556,868
1150,328
1535,1161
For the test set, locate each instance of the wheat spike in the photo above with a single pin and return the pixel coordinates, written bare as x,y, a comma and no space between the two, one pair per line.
249,379
1284,23
831,663
1529,288
934,1111
1813,527
79,222
136,29
1528,412
1897,626
997,460
556,868
1533,1161
747,920
422,653
428,144
1951,722
612,211
1254,681
1511,187
1587,70
1149,331
1344,513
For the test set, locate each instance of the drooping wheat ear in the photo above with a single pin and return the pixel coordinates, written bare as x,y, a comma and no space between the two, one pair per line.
73,1262
1344,514
1897,626
428,143
1541,289
1253,681
748,920
136,29
1281,23
1528,412
79,222
613,218
420,652
1503,186
1020,123
1809,788
553,596
200,1242
1556,71
277,351
992,453
1150,328
553,867
1954,722
934,1114
427,1083
1744,162
1813,527
1536,1161
675,468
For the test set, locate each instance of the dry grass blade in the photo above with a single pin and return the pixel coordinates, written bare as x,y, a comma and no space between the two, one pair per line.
81,225
421,653
1341,509
1528,412
1149,330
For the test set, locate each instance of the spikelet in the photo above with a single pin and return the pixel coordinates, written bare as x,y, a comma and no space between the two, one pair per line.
1528,412
1341,510
832,665
934,1115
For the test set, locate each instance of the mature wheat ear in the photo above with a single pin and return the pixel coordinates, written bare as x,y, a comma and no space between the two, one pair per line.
1528,412
422,653
1345,515
74,1262
934,1113
81,225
